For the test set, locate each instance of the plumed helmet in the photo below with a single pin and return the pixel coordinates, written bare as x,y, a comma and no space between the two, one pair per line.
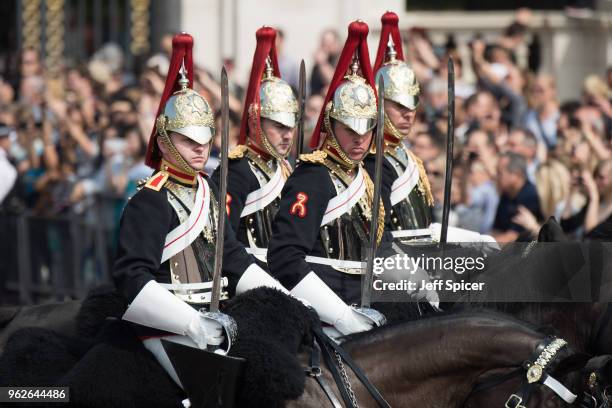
401,85
350,97
181,109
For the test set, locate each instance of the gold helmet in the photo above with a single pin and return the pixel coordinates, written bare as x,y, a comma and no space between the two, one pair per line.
188,113
354,103
401,85
277,100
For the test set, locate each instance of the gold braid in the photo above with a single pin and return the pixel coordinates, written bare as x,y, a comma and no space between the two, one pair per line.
381,208
180,161
255,114
331,141
393,131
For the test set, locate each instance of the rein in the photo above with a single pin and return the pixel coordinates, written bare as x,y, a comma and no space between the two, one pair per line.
334,356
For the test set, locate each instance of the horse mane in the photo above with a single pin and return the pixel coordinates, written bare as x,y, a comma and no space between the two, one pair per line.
380,333
530,279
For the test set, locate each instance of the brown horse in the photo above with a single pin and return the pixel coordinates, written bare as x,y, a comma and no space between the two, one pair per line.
437,362
554,283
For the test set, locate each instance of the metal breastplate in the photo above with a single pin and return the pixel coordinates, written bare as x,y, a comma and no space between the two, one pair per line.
412,212
195,263
258,225
344,237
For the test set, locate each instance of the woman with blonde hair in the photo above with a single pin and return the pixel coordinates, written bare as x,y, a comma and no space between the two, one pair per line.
553,182
553,185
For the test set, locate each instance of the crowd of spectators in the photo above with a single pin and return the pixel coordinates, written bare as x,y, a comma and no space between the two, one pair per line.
521,154
69,144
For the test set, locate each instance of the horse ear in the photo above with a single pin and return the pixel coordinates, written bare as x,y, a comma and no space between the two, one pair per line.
551,231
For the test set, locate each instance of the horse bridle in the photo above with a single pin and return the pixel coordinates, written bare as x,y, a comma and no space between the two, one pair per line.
327,348
536,373
596,395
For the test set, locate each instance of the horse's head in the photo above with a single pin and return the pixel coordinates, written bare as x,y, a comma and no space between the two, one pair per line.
553,376
589,379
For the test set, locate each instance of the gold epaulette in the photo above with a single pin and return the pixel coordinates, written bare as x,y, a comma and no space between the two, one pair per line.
424,185
157,181
237,152
318,156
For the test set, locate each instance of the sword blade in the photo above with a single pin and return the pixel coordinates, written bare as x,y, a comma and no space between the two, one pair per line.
366,292
301,105
216,288
450,138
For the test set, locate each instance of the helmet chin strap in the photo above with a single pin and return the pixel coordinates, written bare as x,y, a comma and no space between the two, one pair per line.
338,152
178,159
391,130
270,149
261,138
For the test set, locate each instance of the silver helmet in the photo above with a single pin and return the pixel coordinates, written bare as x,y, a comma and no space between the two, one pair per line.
277,101
188,113
401,85
354,103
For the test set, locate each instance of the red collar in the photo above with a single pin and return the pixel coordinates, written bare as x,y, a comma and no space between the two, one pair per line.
258,151
177,174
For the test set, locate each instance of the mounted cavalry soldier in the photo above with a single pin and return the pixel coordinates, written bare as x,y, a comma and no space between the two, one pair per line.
406,189
166,253
258,167
325,210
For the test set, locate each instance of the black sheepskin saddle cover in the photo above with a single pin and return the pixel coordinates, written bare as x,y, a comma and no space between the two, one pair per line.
107,366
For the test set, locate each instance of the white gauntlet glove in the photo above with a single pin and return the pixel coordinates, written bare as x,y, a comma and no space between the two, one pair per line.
353,322
332,310
255,277
205,331
156,307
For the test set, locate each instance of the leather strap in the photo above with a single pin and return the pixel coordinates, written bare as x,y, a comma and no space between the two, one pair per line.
315,371
331,365
356,369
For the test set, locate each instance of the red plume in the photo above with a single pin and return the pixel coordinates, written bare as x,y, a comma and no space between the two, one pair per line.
389,27
182,45
357,39
266,46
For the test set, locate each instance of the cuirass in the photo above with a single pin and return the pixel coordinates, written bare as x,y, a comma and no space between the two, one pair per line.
259,224
195,263
344,237
413,212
